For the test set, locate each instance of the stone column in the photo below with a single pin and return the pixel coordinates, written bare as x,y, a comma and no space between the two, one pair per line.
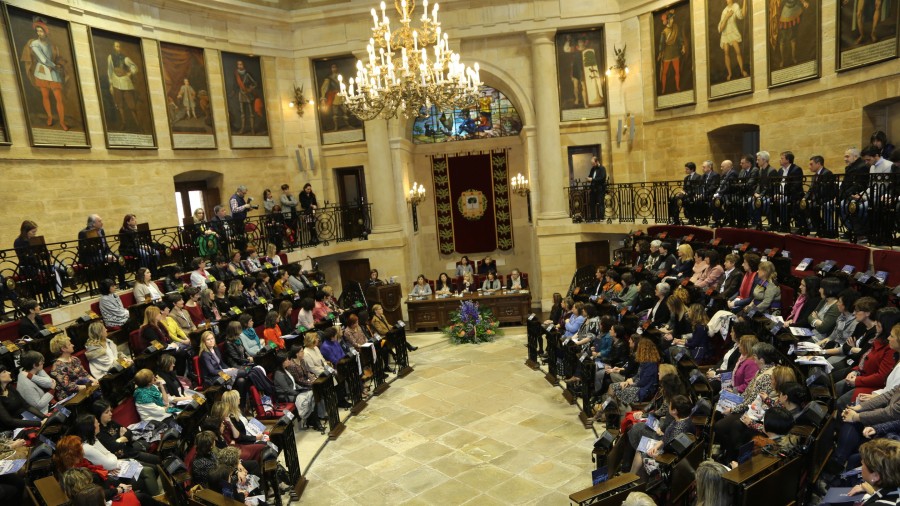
550,180
380,179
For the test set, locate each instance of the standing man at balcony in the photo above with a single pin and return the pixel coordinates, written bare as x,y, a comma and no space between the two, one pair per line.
787,193
762,195
597,199
239,208
690,189
725,194
710,184
819,212
94,250
855,182
748,179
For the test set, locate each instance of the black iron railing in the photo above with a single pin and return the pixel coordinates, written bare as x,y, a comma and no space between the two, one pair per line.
50,271
865,207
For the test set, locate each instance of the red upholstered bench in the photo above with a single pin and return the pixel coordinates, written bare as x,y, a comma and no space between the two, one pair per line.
758,239
679,231
126,413
80,355
280,408
889,262
10,331
843,253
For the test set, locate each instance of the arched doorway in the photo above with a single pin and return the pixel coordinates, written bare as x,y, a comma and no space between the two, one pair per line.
196,189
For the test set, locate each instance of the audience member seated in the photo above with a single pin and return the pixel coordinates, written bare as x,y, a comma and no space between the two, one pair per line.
574,321
193,307
331,345
466,284
844,324
805,304
660,314
421,288
235,294
680,411
250,341
199,276
272,332
12,405
666,260
151,398
310,412
297,280
611,286
353,333
320,310
629,294
515,281
236,266
102,354
379,321
220,289
463,267
875,364
144,287
34,383
643,384
684,266
712,488
491,283
112,310
731,277
712,271
229,411
98,255
219,271
180,315
330,301
264,286
881,470
208,305
212,365
730,358
860,339
76,473
824,317
235,353
744,294
312,355
678,325
173,281
204,458
670,386
282,284
746,368
88,428
443,285
67,370
766,291
31,324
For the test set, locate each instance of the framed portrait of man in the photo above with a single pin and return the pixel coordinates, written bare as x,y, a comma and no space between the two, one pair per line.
45,63
867,32
121,71
729,47
580,66
187,97
673,56
336,124
245,98
793,41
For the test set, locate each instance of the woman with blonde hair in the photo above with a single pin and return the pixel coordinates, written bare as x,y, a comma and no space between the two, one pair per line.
746,368
766,291
212,366
312,356
67,370
712,489
236,294
101,353
684,266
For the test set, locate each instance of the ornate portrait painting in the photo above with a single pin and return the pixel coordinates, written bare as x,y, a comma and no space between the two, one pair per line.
48,78
673,56
248,123
867,32
336,123
581,67
121,71
188,103
793,41
729,47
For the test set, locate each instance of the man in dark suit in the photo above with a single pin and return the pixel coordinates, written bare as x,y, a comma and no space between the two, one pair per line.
596,289
748,179
94,251
819,212
855,182
686,195
725,193
710,183
515,281
788,191
731,279
761,199
597,200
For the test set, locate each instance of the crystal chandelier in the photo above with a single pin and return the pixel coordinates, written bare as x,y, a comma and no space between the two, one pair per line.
409,69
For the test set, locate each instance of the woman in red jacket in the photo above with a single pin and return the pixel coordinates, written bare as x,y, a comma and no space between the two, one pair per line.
874,366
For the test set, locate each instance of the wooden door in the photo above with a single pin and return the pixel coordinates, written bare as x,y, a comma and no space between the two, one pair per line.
354,270
591,253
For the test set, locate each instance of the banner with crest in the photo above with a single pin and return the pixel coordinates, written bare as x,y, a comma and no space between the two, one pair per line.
472,202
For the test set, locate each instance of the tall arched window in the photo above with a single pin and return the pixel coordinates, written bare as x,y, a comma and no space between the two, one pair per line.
493,116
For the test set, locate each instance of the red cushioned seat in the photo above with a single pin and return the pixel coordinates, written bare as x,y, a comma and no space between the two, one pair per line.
280,407
80,355
196,362
126,413
134,342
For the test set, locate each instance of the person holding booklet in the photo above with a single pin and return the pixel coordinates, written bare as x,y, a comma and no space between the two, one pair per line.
680,411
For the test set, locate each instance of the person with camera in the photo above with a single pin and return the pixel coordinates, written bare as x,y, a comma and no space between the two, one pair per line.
239,209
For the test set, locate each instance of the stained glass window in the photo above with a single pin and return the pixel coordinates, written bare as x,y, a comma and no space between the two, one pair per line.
493,116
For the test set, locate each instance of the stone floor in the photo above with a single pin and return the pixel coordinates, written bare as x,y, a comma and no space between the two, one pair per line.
471,425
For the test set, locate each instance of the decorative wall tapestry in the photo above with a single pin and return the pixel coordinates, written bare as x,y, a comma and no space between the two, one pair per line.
472,202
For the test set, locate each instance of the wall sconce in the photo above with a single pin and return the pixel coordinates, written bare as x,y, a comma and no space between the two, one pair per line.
299,101
415,197
521,187
619,67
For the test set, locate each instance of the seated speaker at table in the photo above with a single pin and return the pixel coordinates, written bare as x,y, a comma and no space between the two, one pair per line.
421,287
443,285
516,281
491,284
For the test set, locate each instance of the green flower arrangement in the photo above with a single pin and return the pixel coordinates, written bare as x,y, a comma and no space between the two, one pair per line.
471,324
